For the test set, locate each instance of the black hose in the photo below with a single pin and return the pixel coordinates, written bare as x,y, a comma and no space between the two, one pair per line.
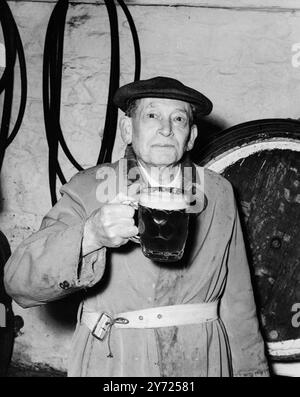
52,80
111,118
52,76
23,77
135,38
13,50
110,128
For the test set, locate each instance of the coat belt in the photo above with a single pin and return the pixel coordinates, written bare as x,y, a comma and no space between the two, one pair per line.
154,317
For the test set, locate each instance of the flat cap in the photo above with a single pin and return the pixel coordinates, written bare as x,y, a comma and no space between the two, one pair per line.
162,87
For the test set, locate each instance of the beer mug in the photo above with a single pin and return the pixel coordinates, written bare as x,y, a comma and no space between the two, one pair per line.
162,223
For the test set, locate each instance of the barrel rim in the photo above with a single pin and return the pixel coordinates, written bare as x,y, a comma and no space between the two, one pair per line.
246,133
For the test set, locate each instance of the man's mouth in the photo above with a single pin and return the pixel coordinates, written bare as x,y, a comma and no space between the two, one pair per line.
163,145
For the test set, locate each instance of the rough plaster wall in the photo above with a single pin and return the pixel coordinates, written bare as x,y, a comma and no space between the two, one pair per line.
240,58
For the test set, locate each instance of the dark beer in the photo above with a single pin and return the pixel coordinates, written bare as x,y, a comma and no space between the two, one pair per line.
163,225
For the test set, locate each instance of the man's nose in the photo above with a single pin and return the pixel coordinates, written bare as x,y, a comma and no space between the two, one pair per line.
166,127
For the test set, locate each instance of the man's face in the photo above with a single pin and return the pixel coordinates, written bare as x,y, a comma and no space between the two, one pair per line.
160,131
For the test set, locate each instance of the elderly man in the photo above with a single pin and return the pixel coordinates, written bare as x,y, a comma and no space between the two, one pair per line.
84,242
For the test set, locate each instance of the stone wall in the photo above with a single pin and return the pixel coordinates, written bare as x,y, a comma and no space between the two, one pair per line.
240,57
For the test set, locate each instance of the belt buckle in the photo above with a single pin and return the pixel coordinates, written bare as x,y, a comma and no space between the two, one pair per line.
102,326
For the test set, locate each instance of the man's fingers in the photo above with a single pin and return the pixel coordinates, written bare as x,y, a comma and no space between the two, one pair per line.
123,231
118,210
118,223
112,225
129,232
122,198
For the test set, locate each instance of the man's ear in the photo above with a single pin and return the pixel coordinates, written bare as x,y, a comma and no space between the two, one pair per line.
125,125
193,136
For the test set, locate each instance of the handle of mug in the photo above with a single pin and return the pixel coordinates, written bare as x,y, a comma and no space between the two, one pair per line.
136,239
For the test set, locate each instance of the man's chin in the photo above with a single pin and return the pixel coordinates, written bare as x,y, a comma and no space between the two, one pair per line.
163,160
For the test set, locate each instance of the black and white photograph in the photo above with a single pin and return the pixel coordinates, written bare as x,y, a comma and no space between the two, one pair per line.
150,191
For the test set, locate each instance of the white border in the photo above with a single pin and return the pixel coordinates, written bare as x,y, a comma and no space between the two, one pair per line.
286,369
221,162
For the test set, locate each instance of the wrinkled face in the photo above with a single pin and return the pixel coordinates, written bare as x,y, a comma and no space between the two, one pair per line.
160,131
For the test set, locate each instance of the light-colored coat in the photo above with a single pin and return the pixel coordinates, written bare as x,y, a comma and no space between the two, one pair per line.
48,265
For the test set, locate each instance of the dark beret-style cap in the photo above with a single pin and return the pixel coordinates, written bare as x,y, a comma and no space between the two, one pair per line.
162,87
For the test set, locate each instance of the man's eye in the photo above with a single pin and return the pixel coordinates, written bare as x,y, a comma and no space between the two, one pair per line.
152,115
180,119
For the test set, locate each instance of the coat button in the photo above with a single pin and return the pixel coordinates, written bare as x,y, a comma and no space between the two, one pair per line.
64,285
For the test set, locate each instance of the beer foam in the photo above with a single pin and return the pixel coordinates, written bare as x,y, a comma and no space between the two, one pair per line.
163,200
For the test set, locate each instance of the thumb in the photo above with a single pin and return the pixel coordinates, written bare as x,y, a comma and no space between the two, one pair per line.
122,198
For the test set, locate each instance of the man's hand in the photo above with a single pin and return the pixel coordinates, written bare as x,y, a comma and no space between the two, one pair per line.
109,226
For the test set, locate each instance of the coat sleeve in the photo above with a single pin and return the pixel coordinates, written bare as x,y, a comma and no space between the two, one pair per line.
48,265
238,311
